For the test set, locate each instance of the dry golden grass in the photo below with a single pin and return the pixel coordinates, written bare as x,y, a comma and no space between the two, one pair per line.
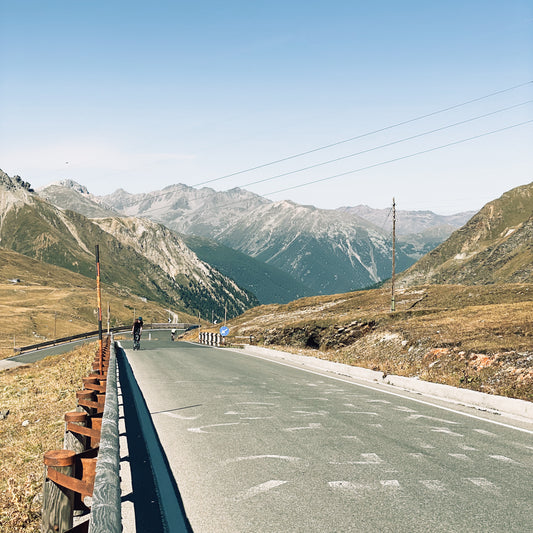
50,302
480,337
40,394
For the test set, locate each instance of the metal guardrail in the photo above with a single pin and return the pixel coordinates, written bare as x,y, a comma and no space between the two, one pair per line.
106,500
117,329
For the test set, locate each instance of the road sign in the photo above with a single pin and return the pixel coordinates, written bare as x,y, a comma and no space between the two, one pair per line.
224,331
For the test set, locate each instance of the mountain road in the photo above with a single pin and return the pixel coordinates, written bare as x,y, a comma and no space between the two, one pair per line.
257,446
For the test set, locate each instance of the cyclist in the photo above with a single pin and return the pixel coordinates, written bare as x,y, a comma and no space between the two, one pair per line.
137,331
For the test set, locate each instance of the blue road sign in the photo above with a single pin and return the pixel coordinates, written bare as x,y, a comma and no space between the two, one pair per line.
224,331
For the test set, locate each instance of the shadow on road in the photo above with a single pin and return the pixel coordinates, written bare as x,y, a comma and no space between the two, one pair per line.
156,498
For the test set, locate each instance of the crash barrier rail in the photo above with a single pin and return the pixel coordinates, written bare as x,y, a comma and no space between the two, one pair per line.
117,329
84,475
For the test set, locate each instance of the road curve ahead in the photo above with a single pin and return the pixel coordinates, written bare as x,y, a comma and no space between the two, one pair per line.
256,446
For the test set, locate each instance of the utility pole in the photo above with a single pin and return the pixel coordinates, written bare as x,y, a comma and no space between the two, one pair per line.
392,303
99,300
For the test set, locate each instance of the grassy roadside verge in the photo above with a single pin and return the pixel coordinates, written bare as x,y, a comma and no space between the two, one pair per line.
37,397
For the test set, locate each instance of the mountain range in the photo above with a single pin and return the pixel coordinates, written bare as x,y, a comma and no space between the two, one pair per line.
321,251
143,258
202,240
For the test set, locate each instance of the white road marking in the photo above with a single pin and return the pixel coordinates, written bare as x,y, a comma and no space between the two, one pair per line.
446,431
368,459
357,488
378,401
180,417
416,455
358,413
311,413
310,426
259,489
256,403
485,432
317,399
255,457
201,428
404,409
460,456
444,421
391,393
353,437
467,448
482,482
426,446
390,483
434,484
503,459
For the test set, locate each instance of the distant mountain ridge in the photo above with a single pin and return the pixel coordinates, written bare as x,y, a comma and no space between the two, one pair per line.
324,251
409,222
495,246
146,258
268,283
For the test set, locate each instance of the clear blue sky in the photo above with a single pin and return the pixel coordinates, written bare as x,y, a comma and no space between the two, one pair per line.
142,95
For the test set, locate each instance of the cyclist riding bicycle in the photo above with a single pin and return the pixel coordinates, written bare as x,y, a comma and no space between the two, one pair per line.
137,332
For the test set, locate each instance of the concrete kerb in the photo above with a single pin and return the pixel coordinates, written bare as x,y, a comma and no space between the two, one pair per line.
519,409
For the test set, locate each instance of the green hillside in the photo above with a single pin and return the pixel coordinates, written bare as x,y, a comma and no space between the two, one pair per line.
267,282
495,246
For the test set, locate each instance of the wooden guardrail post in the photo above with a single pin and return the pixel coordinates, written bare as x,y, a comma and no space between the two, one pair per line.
58,502
75,441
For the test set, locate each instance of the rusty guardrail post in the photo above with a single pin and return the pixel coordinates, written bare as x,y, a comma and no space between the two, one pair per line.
58,502
73,440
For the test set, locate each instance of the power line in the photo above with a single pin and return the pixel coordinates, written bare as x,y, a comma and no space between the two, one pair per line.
361,169
385,145
164,193
399,158
456,106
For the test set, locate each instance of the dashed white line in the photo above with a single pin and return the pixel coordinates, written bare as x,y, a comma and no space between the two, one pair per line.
259,489
446,431
503,459
201,428
310,426
434,485
368,459
460,456
256,457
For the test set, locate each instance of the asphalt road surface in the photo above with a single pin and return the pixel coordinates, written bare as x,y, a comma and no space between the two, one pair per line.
256,446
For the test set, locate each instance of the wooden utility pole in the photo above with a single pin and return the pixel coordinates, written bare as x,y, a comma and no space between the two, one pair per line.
99,300
392,303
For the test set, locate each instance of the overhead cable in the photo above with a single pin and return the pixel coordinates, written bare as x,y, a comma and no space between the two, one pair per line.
361,136
385,145
399,158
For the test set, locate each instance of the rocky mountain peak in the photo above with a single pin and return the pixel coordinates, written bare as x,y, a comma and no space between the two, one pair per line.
74,185
14,183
